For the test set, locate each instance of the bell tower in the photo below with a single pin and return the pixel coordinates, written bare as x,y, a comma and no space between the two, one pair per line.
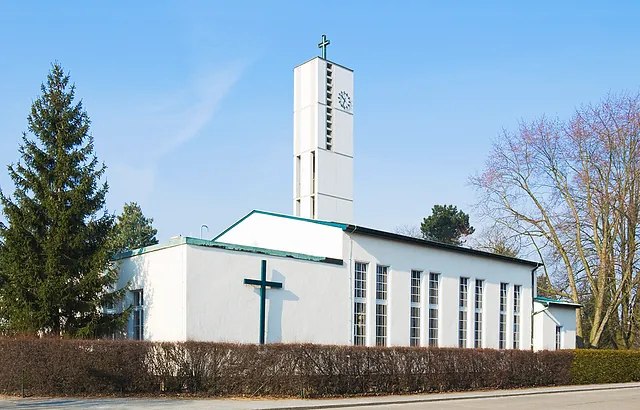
323,139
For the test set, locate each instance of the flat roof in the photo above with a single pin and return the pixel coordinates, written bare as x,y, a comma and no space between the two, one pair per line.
185,240
328,61
546,300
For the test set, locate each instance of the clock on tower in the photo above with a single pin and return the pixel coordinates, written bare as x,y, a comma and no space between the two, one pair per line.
344,100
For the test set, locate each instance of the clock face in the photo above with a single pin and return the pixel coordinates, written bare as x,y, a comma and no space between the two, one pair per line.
344,100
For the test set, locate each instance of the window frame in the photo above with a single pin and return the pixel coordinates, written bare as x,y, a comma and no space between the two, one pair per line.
381,324
433,303
559,337
517,307
504,306
382,286
359,332
415,313
382,296
359,324
138,314
463,311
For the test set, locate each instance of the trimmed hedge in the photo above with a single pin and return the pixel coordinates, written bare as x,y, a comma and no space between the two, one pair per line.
605,366
65,367
88,367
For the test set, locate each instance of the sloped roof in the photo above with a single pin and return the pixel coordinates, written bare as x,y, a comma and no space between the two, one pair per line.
361,230
433,244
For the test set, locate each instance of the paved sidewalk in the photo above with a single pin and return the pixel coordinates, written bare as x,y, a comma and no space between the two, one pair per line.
298,404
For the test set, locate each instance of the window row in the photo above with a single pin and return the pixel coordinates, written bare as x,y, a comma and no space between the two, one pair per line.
432,312
381,309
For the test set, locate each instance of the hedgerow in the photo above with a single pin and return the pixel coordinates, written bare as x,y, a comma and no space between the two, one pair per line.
99,367
605,366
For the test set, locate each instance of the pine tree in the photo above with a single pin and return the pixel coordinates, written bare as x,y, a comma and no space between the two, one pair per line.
54,252
446,224
133,230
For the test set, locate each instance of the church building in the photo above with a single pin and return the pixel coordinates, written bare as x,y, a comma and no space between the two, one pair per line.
317,277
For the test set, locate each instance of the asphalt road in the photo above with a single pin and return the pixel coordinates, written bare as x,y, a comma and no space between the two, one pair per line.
608,399
595,397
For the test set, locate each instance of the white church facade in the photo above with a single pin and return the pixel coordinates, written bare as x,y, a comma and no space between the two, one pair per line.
316,277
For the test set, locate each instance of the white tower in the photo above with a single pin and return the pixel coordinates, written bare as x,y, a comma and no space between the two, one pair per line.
323,140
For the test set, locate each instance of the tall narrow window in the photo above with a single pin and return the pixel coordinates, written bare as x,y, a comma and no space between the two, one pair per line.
434,280
414,336
503,316
558,337
298,171
313,172
477,322
313,185
359,305
381,324
463,311
381,305
138,314
359,323
517,290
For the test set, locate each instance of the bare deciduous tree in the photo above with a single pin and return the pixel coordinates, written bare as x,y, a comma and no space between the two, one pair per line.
572,187
498,239
409,230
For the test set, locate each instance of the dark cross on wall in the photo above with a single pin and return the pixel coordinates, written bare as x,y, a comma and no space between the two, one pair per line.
263,283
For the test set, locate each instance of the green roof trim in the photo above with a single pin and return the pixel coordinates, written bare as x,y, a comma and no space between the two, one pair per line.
234,225
229,247
264,251
295,218
361,230
351,229
172,242
347,228
549,301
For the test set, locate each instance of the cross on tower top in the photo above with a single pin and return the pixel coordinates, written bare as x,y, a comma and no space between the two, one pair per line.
323,45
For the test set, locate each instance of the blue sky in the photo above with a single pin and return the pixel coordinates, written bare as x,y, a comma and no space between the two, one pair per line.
191,102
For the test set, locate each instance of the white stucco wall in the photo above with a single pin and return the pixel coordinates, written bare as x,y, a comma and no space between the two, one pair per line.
334,209
161,275
313,305
402,258
342,131
546,318
286,234
309,123
335,176
195,292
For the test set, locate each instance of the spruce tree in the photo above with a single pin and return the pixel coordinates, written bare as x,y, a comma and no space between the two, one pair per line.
133,230
56,273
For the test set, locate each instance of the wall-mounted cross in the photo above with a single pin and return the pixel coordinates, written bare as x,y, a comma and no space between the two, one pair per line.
263,283
323,45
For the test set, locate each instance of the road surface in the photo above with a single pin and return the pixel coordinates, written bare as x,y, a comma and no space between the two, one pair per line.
617,397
